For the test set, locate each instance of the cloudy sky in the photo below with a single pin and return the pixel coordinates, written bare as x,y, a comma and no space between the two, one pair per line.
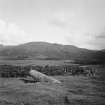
74,22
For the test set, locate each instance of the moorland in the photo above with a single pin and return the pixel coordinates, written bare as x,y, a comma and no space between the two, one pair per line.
81,72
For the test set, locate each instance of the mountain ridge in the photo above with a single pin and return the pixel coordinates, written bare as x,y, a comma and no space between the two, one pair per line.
45,50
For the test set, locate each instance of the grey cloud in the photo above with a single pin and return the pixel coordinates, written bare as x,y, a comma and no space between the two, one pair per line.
100,36
58,23
98,41
98,44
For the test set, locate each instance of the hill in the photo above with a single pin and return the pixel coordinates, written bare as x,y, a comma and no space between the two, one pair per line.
49,51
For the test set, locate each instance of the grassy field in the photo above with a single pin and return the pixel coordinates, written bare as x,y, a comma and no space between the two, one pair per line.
74,90
35,62
15,92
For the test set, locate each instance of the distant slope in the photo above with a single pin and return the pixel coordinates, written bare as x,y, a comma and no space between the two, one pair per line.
44,50
1,46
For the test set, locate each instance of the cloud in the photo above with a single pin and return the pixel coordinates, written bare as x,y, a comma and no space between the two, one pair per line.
58,23
60,18
87,40
99,40
100,36
10,33
77,33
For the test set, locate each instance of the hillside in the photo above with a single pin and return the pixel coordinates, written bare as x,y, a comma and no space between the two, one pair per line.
44,50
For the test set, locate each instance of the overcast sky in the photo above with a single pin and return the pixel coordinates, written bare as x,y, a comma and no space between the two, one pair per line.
74,22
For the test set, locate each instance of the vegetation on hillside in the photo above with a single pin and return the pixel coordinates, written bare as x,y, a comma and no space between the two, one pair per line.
48,51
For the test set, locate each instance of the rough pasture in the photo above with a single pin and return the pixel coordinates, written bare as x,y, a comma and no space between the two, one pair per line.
74,90
77,88
23,71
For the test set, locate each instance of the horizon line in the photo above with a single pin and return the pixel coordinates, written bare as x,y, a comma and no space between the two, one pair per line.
50,43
